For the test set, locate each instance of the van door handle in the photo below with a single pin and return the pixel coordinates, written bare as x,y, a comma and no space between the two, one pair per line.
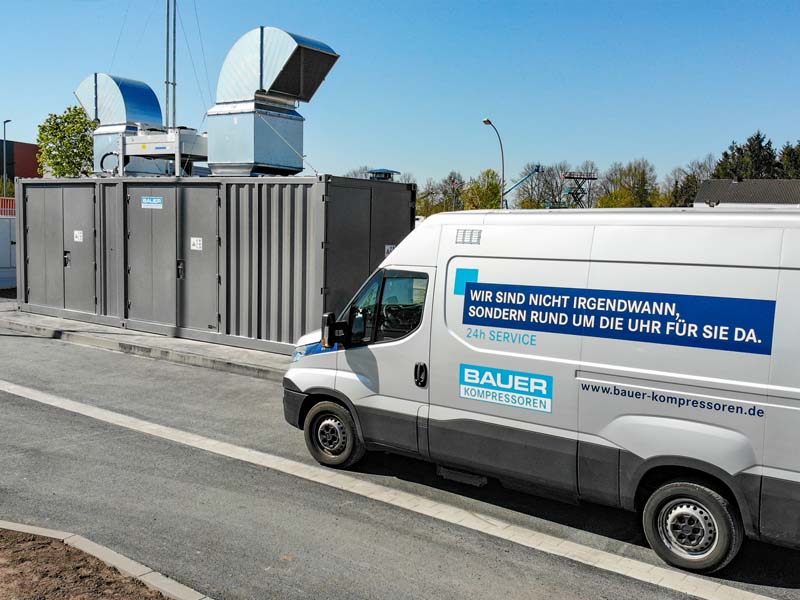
421,374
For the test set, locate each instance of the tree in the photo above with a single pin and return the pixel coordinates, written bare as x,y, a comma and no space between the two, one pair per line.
428,199
65,144
451,189
529,193
483,192
361,172
790,161
406,177
634,184
755,159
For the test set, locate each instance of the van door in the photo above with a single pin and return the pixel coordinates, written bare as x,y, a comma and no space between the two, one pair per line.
384,371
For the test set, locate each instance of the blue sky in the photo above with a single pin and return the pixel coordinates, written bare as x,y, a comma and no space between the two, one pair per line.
669,81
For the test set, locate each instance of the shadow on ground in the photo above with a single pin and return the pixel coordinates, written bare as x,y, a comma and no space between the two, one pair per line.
757,563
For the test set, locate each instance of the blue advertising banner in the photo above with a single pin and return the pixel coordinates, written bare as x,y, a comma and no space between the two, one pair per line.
734,324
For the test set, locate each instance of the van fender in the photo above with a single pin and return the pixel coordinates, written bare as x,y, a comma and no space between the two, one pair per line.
325,391
649,442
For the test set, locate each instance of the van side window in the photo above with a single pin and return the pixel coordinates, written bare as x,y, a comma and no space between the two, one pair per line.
402,301
362,311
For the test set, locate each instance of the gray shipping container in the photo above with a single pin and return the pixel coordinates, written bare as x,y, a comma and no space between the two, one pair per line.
250,262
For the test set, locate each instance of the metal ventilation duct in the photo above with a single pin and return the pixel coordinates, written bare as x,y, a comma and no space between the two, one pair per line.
129,128
122,107
115,100
253,128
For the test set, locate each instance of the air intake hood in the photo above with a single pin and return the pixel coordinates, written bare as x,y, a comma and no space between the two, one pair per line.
253,128
284,65
113,100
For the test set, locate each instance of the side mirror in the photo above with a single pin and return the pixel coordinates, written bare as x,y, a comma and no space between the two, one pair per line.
328,326
333,331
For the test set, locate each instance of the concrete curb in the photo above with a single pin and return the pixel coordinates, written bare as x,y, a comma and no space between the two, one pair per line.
152,579
181,357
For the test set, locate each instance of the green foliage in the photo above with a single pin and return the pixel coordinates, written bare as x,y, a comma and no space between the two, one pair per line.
9,191
630,185
790,161
65,144
755,159
483,192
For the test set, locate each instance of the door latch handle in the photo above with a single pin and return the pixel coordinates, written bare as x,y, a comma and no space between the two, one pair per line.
181,269
421,374
67,258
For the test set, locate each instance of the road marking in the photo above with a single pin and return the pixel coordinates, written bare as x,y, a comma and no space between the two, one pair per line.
661,576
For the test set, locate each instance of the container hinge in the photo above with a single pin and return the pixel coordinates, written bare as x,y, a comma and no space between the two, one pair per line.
129,304
219,318
128,198
219,279
324,291
95,300
326,198
219,202
325,245
219,240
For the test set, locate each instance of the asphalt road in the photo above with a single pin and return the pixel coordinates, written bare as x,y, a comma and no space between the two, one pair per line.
233,530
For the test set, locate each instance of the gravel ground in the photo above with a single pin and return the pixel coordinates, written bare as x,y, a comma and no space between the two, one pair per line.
38,568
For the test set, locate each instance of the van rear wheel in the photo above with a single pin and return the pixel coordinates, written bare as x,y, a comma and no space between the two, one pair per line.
331,436
692,527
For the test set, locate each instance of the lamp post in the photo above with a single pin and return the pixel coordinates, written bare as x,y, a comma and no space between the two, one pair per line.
488,121
5,164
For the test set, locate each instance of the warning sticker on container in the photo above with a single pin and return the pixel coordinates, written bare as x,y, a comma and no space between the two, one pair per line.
196,243
77,235
156,202
388,249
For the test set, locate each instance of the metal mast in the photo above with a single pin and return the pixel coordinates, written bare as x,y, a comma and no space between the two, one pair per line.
166,76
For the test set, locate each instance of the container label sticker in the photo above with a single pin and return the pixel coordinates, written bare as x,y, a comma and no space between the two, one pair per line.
196,243
77,235
716,323
388,249
156,202
507,388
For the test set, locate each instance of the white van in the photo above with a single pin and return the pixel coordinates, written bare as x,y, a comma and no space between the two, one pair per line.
646,359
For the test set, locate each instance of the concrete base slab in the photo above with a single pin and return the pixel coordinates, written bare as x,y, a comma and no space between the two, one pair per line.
241,361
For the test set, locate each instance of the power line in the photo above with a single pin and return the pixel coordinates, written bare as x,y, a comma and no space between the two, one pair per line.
119,37
202,50
191,59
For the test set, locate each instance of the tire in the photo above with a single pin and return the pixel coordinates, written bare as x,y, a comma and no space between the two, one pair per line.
692,527
331,436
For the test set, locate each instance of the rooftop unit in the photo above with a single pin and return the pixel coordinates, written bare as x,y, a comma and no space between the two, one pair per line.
129,131
254,127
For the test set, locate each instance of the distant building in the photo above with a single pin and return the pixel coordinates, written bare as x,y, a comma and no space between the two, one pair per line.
749,192
20,160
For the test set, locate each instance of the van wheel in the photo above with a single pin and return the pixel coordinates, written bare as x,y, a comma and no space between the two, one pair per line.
331,436
692,527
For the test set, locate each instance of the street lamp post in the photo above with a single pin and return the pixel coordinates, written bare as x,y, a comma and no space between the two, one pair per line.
488,121
5,164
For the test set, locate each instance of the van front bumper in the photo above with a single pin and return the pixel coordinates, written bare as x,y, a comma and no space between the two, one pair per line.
292,403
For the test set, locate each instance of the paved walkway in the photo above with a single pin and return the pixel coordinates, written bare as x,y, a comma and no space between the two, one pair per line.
256,363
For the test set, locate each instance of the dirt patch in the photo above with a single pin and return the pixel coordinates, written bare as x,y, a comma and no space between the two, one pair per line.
38,568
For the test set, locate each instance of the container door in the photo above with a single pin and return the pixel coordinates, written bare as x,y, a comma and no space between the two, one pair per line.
152,262
44,247
197,266
79,250
347,241
385,373
12,225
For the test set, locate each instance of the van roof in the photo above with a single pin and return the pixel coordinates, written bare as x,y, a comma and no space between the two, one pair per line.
729,216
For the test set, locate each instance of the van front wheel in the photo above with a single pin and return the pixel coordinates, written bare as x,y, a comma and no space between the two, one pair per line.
331,436
692,527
